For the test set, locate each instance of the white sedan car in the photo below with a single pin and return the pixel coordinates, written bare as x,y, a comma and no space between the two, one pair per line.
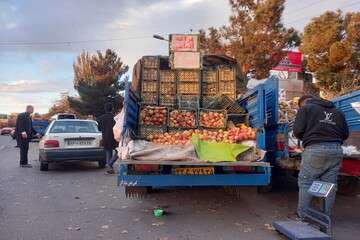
71,140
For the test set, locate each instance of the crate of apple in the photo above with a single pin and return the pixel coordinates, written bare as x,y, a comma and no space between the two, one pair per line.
173,138
153,116
233,135
212,118
182,118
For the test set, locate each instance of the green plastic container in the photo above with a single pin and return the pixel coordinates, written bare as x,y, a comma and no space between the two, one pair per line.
158,212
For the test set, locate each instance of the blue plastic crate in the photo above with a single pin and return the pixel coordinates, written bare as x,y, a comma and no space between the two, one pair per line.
262,103
131,108
344,104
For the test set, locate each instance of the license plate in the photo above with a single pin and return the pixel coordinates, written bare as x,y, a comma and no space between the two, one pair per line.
78,142
195,171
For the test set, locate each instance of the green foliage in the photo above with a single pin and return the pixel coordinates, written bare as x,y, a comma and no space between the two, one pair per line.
256,35
96,78
212,41
331,44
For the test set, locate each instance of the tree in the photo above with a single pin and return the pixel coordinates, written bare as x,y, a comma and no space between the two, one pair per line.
212,42
331,44
97,81
256,36
60,106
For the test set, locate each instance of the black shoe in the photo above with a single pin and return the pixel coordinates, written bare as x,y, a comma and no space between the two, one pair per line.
110,171
26,165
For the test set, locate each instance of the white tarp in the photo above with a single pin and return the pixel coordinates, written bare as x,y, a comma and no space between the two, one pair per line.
148,151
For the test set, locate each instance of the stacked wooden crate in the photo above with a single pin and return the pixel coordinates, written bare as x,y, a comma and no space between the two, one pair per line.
209,86
227,81
188,88
168,88
150,80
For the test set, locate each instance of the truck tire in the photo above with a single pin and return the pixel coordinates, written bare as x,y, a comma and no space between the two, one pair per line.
102,163
44,166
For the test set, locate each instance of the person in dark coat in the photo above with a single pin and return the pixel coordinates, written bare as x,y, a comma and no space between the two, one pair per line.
322,129
106,123
24,133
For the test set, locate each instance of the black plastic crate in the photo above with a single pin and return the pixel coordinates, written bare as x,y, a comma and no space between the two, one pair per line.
235,108
219,101
145,132
238,119
168,100
149,98
150,62
209,88
189,101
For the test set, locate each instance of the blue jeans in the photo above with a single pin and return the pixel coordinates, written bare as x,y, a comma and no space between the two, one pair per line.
319,162
113,159
109,154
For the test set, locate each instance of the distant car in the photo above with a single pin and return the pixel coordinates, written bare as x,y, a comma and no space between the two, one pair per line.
71,140
5,131
40,127
60,116
13,133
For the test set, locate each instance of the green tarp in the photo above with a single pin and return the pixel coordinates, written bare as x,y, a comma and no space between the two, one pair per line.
217,152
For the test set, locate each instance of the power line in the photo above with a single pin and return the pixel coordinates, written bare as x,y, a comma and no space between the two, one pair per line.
305,17
71,42
305,7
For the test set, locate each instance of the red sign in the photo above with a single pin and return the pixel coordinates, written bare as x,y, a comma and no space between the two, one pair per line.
184,43
292,62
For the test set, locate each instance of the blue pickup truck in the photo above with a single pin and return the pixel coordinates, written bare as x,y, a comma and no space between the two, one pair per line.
262,106
40,126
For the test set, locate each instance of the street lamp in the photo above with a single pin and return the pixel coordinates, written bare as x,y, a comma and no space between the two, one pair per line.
159,37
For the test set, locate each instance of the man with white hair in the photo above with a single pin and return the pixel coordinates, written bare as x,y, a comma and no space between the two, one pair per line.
25,133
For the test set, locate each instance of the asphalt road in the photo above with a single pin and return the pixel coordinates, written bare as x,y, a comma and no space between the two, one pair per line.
79,201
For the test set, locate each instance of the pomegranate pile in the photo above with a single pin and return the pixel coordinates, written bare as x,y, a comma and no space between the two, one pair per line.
182,119
212,119
233,135
153,116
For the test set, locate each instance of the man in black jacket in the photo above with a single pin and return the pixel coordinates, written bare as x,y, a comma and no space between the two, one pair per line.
322,129
106,123
25,132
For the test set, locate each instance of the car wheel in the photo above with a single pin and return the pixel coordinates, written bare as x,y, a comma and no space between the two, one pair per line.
44,166
102,163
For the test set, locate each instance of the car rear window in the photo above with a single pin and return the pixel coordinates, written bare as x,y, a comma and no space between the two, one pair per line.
74,127
66,116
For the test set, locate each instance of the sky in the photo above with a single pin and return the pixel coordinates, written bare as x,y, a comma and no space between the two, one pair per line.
59,30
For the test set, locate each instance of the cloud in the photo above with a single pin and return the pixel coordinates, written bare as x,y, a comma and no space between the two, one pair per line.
7,16
32,86
16,102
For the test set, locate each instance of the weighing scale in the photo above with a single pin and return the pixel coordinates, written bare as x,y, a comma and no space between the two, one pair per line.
298,230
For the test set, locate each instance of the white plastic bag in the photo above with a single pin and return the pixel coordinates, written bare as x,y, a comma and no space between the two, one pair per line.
118,127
